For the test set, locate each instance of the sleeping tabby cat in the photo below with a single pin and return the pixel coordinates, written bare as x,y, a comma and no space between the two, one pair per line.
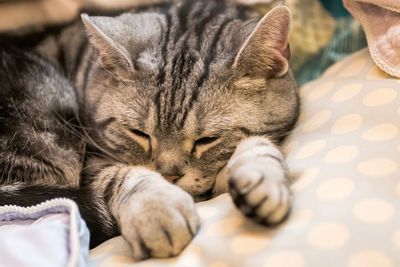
176,100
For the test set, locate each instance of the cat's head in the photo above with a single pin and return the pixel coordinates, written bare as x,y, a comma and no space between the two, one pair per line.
177,92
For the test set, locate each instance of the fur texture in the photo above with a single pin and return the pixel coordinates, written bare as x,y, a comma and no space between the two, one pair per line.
175,99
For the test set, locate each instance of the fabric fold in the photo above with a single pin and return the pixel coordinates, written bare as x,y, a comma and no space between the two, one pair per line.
381,22
46,235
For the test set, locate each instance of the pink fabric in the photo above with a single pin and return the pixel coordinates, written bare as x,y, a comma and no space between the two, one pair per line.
381,22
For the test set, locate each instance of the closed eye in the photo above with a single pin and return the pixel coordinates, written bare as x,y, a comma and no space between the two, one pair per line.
203,144
141,138
140,133
205,141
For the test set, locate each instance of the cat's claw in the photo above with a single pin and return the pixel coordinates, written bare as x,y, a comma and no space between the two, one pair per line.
161,223
259,196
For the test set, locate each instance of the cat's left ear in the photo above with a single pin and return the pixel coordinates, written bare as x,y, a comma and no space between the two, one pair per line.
104,33
266,51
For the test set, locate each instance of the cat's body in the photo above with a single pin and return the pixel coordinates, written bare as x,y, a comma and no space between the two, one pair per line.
167,96
42,149
37,104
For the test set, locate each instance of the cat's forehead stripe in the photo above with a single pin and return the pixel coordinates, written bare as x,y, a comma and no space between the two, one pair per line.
191,35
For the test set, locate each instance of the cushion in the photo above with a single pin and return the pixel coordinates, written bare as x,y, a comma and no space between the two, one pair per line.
345,155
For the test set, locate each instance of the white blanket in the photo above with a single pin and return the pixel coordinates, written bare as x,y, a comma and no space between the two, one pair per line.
51,234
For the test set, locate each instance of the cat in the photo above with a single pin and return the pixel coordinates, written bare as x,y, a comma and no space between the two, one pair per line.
179,102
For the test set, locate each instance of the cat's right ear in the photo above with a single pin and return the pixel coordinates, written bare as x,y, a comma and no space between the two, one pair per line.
266,51
102,32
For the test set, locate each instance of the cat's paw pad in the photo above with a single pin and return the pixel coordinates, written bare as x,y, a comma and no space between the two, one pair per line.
264,199
160,223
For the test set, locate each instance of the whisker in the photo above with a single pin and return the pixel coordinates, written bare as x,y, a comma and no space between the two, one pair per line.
115,76
85,136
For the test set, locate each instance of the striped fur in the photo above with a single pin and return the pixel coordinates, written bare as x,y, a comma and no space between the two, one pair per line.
195,93
41,153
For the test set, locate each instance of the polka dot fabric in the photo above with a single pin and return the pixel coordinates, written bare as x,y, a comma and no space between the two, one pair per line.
345,157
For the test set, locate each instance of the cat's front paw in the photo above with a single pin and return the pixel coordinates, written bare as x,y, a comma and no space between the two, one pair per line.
259,195
159,220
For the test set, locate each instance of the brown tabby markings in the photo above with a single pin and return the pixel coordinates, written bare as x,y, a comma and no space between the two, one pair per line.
180,88
177,99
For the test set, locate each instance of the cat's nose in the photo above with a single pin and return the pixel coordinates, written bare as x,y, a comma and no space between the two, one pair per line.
170,165
172,178
172,175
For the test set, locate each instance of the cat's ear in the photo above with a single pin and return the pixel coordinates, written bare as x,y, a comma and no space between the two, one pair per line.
266,51
103,33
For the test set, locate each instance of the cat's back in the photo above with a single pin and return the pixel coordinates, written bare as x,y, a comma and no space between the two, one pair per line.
36,102
28,82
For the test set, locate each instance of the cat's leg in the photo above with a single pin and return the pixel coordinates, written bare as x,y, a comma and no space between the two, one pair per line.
157,218
256,176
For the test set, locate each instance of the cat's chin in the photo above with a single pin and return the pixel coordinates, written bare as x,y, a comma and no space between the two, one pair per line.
204,196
